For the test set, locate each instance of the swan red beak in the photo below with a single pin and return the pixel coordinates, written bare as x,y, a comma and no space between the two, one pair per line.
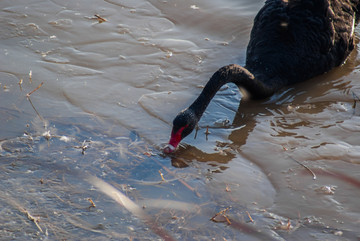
169,149
174,141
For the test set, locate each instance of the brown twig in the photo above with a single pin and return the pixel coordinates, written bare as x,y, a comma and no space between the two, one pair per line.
28,94
251,220
222,214
162,176
100,19
92,204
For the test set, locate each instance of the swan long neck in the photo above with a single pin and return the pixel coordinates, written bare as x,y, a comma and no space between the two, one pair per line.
230,73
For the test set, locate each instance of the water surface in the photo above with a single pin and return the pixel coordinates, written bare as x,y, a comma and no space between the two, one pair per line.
110,91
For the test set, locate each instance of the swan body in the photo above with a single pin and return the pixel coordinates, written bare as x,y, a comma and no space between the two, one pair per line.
291,41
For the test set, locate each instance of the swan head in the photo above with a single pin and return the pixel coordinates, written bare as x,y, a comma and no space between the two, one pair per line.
183,124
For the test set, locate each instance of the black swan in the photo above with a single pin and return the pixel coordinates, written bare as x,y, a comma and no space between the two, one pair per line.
291,41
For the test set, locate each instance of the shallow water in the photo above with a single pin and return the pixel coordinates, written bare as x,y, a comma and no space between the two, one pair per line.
110,91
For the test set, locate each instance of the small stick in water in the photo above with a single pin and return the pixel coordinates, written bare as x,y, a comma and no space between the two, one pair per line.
162,177
207,132
34,220
28,94
251,220
222,214
307,168
30,76
100,19
20,83
92,204
196,131
38,114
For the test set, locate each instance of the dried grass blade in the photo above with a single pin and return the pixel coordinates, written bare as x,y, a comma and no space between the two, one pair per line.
307,168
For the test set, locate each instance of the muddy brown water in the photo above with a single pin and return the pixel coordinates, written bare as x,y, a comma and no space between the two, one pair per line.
110,91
